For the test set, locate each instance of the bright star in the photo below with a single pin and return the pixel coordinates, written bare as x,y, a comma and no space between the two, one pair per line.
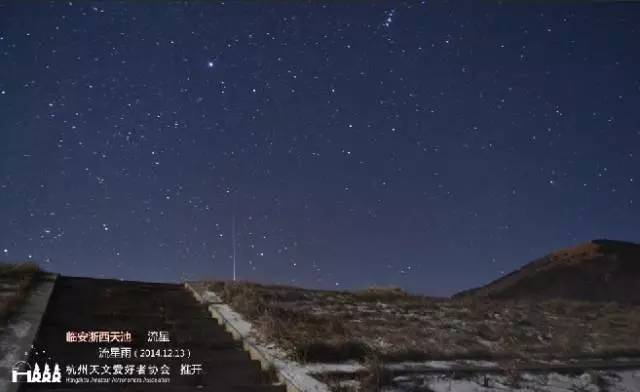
389,18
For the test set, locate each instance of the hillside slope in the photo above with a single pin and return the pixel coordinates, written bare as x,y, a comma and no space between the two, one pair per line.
600,270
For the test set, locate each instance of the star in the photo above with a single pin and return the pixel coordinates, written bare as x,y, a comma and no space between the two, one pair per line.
389,18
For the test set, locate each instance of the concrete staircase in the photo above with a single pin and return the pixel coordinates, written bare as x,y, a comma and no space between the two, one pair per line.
83,304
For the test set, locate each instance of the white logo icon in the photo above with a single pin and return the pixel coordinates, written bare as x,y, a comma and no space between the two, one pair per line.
22,372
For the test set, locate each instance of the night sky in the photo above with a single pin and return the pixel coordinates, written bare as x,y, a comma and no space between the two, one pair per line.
432,146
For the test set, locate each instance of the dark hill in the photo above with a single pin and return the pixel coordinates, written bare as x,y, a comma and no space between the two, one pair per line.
600,270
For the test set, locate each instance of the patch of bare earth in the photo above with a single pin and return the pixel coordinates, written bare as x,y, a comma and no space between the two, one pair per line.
391,325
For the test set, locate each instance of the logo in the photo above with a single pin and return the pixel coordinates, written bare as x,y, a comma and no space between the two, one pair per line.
22,372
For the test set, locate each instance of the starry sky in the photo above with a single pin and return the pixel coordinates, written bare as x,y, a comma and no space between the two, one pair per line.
429,145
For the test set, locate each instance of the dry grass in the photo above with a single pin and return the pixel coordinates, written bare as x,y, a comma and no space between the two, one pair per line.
15,281
578,253
376,376
332,326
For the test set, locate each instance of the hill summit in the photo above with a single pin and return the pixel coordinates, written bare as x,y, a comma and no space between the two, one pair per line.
599,270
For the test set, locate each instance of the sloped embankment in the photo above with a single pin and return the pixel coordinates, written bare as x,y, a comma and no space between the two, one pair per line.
387,338
315,325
